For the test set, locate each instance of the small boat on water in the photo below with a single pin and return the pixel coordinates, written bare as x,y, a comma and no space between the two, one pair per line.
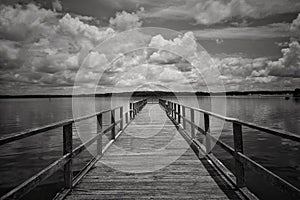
287,98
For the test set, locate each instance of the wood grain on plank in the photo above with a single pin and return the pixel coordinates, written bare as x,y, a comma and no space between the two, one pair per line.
151,160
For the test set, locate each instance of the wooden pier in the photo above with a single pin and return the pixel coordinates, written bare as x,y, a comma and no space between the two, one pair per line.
154,158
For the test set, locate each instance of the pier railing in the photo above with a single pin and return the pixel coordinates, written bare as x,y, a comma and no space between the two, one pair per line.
178,113
69,152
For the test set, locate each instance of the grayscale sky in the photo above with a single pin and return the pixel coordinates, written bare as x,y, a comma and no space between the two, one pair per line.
254,44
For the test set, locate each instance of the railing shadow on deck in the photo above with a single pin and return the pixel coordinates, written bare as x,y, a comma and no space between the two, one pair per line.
177,113
69,153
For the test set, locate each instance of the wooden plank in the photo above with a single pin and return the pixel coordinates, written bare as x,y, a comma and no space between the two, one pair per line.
135,150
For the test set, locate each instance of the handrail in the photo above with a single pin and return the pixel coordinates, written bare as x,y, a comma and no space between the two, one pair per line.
177,113
41,129
136,106
68,152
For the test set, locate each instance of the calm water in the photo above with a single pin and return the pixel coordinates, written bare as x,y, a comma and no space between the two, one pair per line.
19,160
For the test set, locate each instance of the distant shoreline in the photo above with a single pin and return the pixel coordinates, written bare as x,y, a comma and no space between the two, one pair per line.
159,94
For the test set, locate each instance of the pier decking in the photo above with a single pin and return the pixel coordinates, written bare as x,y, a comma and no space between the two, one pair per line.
151,154
147,168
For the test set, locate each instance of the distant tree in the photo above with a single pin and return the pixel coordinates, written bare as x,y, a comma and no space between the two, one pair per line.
297,92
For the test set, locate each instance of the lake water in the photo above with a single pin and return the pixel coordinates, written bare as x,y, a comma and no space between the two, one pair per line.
21,159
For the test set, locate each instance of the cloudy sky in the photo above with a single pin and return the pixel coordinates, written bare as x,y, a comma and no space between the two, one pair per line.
48,47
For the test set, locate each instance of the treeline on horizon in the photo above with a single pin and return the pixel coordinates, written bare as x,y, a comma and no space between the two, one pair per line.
295,92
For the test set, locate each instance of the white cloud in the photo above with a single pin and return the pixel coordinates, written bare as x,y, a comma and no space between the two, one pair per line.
262,72
206,12
212,11
43,47
171,75
75,27
125,21
289,64
184,45
295,26
217,11
56,4
17,23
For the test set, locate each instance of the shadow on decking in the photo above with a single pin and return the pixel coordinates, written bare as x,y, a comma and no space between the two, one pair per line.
223,184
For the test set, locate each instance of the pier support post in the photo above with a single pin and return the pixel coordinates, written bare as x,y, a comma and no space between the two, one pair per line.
207,133
238,147
112,122
67,148
193,123
99,132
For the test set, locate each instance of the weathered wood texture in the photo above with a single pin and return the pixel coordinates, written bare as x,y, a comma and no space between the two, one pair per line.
151,160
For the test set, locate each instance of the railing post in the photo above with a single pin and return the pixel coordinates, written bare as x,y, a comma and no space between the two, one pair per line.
126,117
183,117
121,118
99,131
130,110
175,111
193,123
178,110
112,122
67,148
207,133
238,147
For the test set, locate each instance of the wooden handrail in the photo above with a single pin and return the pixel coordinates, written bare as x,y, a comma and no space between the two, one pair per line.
68,152
241,160
136,106
280,133
42,129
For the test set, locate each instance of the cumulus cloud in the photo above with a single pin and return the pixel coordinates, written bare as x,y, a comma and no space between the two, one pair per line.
262,72
40,46
56,4
295,26
212,11
289,64
20,24
207,12
184,45
125,21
